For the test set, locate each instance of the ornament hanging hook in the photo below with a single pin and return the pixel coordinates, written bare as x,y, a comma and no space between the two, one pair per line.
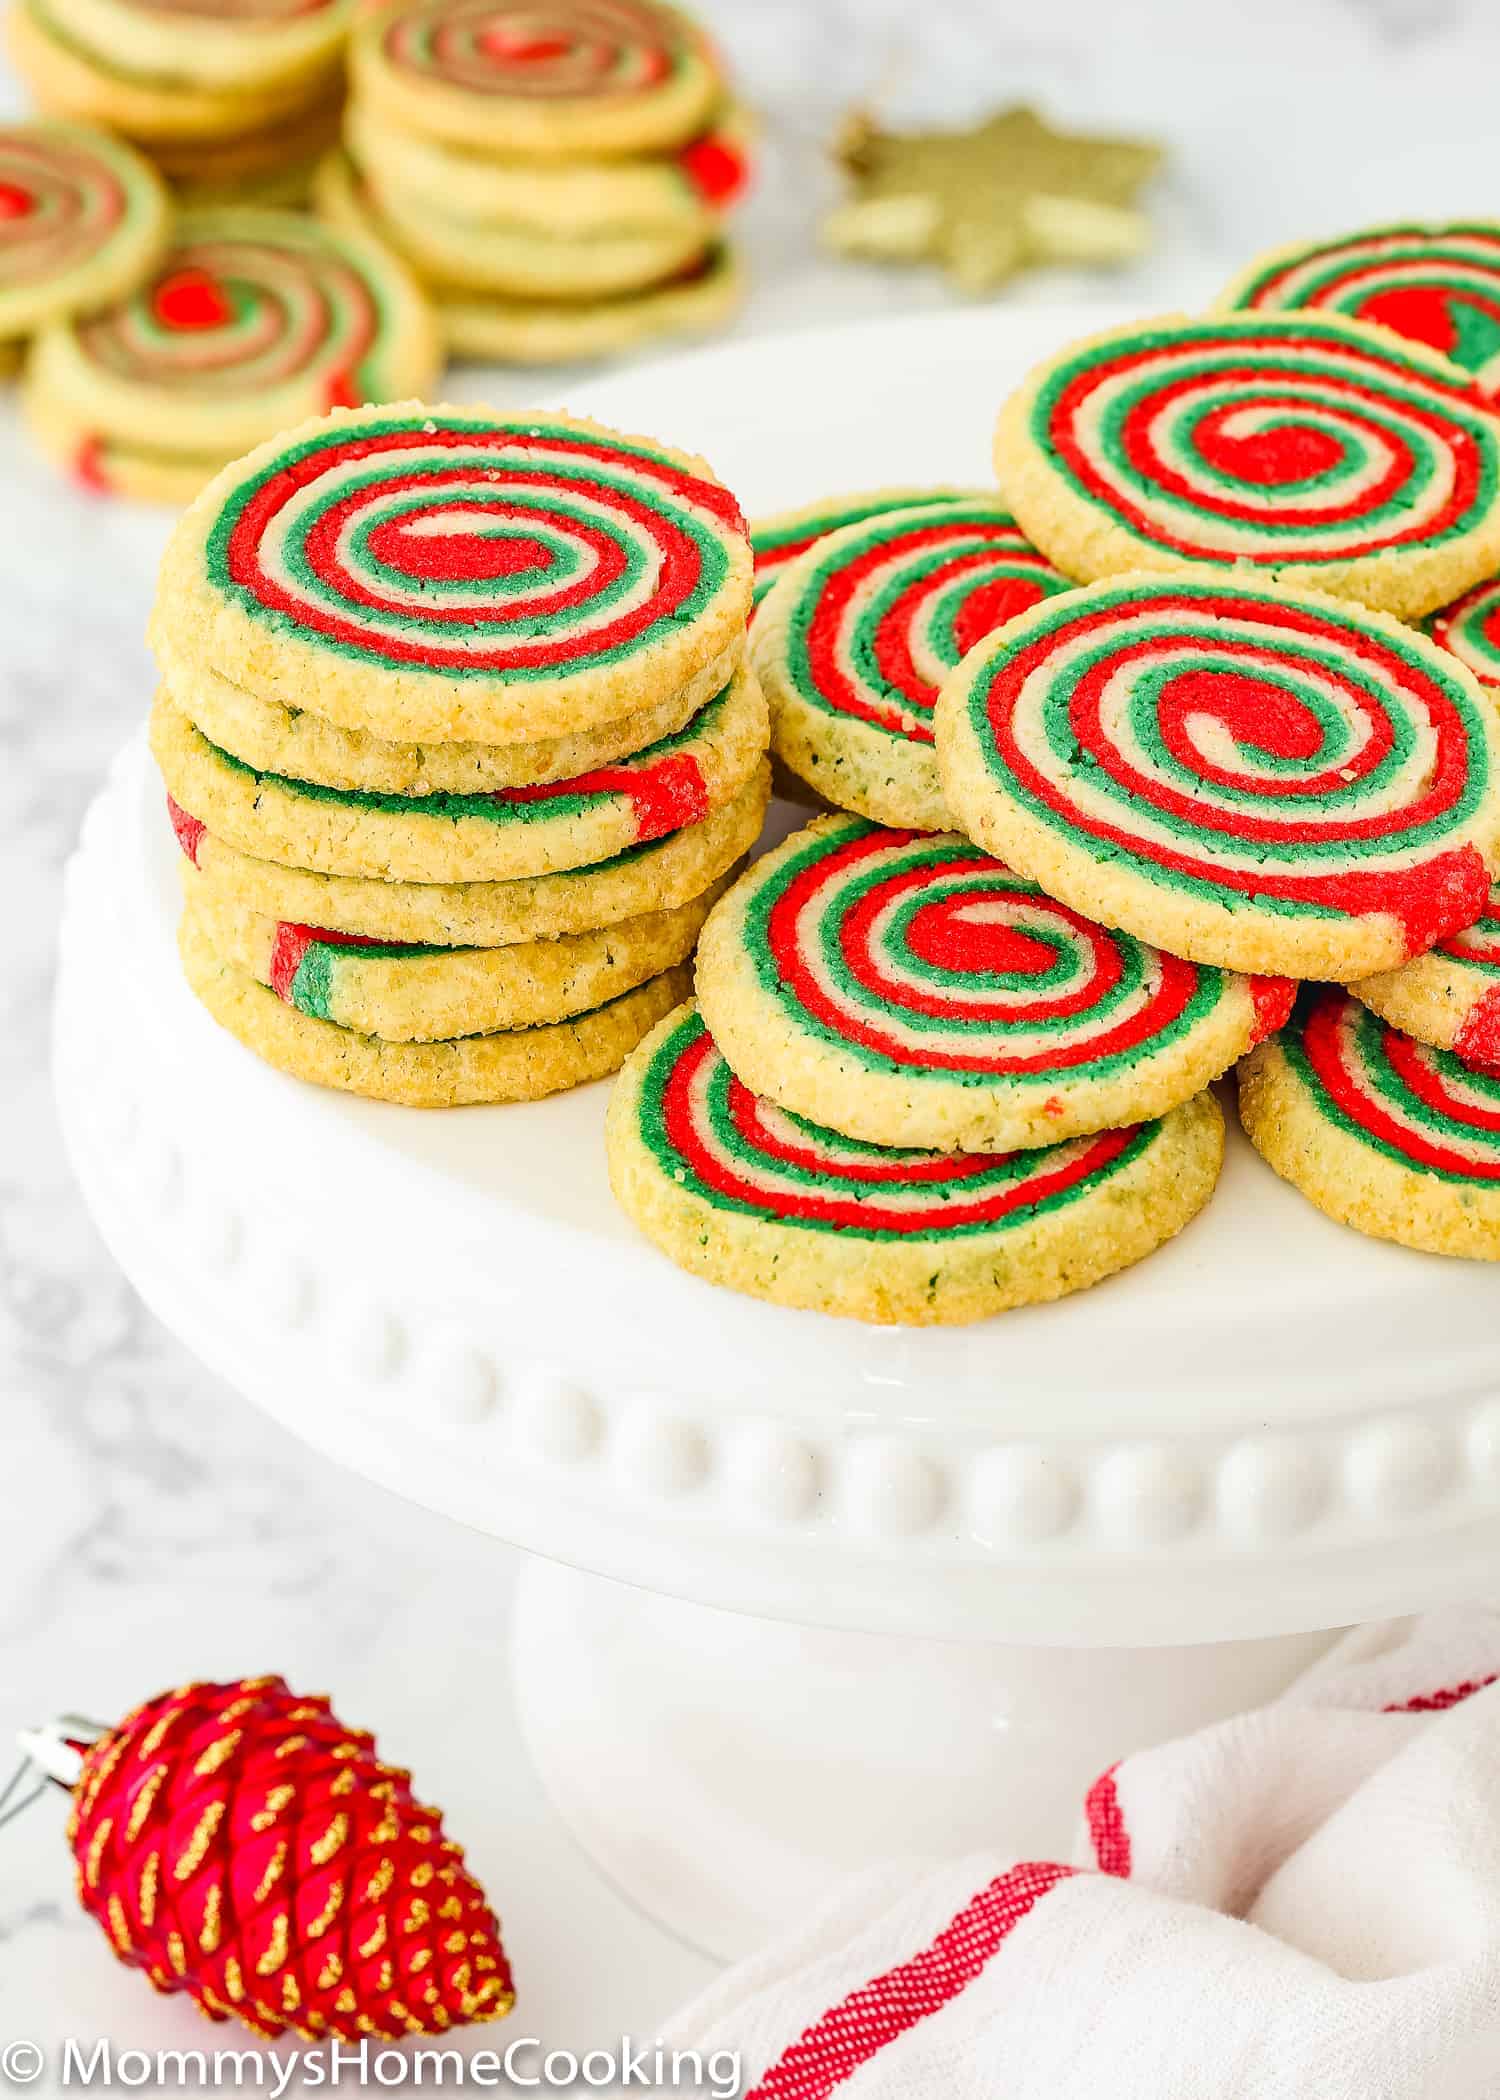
54,1753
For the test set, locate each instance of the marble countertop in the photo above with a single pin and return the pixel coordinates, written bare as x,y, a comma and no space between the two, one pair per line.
151,1526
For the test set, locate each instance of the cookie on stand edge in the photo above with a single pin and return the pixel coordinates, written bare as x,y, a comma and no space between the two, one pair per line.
742,1194
1388,1135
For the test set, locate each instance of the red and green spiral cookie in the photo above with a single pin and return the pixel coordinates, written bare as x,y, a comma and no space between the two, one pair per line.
1386,1134
1470,630
736,1190
906,989
1437,284
1449,997
497,836
1320,451
455,573
784,536
253,319
82,219
510,1064
657,877
407,992
1263,779
550,78
863,630
572,199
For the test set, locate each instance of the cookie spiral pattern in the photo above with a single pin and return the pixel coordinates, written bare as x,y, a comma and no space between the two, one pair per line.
1419,1107
1438,285
536,50
238,313
1291,441
476,547
722,1143
780,540
1479,944
1226,758
1470,630
924,953
886,613
59,201
82,218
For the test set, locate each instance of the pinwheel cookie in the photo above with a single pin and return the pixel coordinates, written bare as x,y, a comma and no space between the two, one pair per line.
1437,284
234,47
597,78
513,329
517,1064
658,877
253,319
273,738
1265,780
83,218
457,574
1470,630
907,990
486,837
566,332
1449,997
1306,446
415,992
520,261
860,632
782,537
577,199
1388,1135
70,77
737,1191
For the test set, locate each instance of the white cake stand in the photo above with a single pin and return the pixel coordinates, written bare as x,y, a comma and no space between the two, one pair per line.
891,1590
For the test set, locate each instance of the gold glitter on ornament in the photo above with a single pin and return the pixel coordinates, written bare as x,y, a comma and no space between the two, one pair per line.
1003,196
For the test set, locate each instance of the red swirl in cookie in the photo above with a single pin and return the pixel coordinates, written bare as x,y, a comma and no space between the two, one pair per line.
476,545
1282,439
62,198
1422,1108
240,312
717,1140
537,50
1470,630
783,538
1238,747
919,953
885,610
1438,285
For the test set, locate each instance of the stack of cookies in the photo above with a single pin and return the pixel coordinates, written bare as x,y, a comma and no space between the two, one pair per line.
557,174
460,744
83,219
914,1089
251,321
231,104
1176,793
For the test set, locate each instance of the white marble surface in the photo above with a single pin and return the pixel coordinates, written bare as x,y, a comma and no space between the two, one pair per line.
150,1527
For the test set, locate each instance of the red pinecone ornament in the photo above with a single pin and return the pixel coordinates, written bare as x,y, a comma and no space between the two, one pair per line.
242,1845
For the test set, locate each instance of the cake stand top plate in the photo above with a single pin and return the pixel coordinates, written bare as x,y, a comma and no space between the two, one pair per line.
1272,1424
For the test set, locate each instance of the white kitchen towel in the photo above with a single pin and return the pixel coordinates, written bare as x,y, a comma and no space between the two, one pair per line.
1299,1904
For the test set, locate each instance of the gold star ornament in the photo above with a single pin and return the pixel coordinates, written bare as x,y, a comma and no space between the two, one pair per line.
1003,196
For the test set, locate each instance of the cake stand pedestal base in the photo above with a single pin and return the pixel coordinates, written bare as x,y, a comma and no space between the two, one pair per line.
723,1771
